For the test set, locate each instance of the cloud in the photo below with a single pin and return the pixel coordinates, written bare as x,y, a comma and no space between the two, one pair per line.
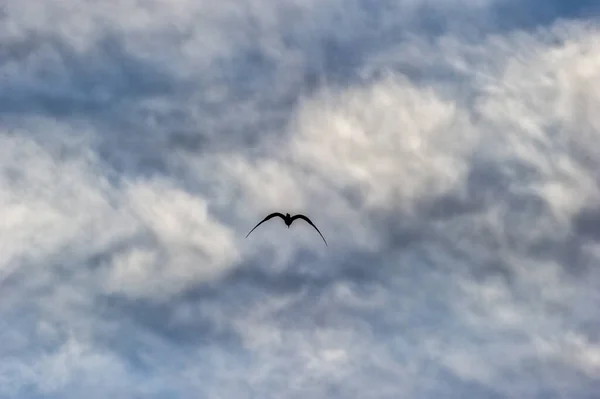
454,178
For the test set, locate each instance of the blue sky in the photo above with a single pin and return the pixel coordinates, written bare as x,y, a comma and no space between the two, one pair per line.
448,151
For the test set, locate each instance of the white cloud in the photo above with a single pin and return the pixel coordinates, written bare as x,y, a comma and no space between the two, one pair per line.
191,246
393,141
485,293
367,137
47,211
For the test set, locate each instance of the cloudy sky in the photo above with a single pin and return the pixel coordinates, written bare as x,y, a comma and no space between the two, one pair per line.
448,150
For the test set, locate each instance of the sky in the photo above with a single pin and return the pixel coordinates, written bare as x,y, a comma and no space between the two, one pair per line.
448,151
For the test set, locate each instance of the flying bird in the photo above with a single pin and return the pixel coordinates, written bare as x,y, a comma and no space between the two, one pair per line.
288,220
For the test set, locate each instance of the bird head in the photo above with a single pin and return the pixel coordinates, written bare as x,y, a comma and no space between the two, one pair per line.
287,215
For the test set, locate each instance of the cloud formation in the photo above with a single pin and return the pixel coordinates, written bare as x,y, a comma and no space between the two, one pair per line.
454,176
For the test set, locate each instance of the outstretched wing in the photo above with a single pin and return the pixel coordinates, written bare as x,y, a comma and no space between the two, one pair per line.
265,219
300,216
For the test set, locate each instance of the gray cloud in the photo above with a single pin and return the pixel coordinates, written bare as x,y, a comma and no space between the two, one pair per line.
454,177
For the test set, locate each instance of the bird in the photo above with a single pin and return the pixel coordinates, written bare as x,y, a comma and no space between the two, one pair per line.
288,220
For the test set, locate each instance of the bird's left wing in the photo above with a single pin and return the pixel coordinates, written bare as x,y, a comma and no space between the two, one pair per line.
300,216
265,219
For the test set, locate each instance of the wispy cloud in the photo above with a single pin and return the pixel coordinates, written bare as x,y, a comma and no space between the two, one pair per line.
453,175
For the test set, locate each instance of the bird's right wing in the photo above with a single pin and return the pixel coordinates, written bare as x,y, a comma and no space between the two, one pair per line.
307,220
265,219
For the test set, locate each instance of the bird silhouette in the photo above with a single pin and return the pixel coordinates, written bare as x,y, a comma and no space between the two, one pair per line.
288,220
